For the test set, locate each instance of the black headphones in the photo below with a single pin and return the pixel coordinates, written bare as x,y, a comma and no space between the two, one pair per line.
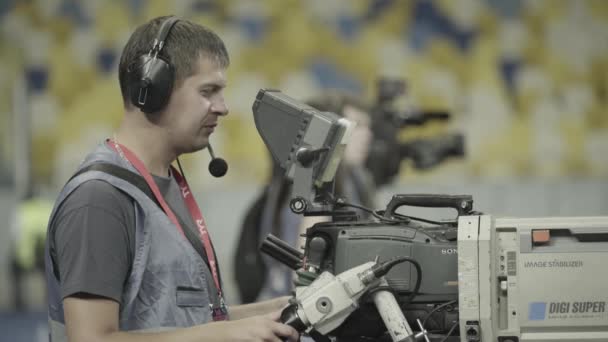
151,77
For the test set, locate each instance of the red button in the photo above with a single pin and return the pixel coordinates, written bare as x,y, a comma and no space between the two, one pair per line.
541,236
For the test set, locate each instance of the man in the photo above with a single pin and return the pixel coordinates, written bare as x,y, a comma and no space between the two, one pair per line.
123,257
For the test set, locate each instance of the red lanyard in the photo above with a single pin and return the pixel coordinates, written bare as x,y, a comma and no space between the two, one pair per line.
193,208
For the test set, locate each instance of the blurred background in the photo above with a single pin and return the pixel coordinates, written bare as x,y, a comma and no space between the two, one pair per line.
525,83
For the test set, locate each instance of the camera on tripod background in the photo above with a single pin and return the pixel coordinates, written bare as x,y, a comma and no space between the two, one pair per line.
389,118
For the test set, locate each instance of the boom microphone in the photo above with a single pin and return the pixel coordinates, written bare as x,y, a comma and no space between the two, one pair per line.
217,166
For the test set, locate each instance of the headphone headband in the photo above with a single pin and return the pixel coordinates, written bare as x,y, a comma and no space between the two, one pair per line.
163,32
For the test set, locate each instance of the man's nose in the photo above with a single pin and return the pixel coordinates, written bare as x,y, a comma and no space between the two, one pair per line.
219,107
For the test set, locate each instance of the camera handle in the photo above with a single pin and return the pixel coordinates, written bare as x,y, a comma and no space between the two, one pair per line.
462,203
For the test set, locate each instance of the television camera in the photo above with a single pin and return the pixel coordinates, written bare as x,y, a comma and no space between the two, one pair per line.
388,120
474,278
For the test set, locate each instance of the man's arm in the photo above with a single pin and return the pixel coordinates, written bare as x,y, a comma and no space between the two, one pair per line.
96,320
259,308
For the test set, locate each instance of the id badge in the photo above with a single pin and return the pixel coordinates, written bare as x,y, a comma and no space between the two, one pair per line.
220,313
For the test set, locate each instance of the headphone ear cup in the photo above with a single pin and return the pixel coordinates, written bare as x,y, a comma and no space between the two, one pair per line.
151,83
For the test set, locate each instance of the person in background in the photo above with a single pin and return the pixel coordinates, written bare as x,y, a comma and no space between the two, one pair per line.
127,246
27,249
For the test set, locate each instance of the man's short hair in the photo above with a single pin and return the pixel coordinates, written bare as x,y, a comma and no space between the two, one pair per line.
183,46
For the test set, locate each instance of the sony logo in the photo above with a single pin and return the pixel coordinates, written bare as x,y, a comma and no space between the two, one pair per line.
449,251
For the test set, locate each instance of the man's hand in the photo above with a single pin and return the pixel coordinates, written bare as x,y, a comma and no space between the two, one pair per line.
259,308
260,322
261,329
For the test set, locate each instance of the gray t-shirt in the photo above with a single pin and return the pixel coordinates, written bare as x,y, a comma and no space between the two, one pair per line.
92,238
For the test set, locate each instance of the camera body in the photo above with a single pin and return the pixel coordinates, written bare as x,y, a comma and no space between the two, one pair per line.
347,242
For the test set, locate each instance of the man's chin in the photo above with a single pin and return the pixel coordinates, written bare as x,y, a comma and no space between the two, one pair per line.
200,146
195,147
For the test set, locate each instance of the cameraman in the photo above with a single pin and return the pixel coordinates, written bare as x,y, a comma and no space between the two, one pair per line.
261,277
120,259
